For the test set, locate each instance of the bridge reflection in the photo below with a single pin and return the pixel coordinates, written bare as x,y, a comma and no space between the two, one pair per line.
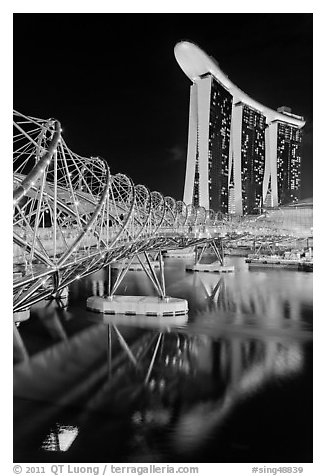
269,299
112,388
135,389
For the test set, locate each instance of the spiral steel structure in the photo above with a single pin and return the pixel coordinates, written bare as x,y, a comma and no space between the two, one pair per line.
72,216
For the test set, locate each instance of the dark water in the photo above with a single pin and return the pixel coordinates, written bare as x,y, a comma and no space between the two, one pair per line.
233,384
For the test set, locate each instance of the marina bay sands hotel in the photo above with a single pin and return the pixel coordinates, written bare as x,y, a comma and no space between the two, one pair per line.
241,155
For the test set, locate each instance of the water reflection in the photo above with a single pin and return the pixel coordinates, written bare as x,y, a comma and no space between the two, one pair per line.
234,384
271,296
192,383
60,439
167,389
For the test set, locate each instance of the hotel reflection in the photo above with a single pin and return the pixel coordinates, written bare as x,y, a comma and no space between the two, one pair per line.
165,387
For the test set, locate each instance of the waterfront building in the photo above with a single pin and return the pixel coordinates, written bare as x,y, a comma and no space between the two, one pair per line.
295,219
289,140
209,137
241,154
252,158
231,208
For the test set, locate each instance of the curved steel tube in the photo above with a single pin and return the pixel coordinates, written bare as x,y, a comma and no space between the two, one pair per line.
37,171
79,218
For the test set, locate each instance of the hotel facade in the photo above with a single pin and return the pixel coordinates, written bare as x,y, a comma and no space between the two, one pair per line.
241,155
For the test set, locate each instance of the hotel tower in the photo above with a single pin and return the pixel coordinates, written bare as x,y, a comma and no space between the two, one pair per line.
241,155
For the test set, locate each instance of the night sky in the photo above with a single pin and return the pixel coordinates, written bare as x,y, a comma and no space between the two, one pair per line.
113,82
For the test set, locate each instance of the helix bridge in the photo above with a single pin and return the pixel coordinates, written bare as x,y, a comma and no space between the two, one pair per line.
72,216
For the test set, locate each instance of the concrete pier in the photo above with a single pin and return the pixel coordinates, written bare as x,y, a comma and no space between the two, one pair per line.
138,305
210,268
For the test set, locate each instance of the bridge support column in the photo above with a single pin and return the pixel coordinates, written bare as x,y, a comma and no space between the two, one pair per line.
217,266
160,305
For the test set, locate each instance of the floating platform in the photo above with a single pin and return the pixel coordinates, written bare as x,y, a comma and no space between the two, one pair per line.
210,268
272,264
184,253
306,266
279,263
138,305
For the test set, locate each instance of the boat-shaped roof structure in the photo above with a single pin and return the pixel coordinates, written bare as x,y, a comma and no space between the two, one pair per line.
195,63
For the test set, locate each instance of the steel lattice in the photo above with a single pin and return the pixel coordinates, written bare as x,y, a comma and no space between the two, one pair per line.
72,217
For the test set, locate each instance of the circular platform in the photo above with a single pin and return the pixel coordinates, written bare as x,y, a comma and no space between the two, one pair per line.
210,268
138,305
